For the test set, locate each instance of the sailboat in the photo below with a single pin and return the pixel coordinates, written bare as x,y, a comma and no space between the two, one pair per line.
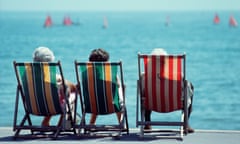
105,22
216,19
67,21
48,21
167,22
232,22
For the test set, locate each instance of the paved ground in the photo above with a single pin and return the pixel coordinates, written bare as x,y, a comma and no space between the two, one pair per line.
199,137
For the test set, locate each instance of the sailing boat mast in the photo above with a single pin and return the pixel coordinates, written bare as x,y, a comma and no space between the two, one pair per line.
105,22
167,22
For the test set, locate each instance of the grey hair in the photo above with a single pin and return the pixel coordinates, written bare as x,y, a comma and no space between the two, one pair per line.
158,51
43,54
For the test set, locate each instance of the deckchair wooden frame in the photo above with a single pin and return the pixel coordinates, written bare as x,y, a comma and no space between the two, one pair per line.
52,104
87,128
141,104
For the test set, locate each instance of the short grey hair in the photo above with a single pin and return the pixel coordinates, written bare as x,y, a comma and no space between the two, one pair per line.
158,51
43,54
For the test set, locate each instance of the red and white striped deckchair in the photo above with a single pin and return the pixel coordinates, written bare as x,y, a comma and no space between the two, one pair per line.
161,88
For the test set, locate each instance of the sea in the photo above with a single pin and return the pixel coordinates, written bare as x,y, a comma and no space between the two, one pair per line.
212,55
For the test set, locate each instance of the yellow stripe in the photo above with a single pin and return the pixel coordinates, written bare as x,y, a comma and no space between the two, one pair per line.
47,85
31,89
91,89
108,78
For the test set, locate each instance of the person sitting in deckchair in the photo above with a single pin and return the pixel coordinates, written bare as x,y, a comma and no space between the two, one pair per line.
44,54
100,55
190,91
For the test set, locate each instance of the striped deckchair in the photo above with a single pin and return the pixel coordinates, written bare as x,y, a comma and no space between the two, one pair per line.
37,85
98,84
162,89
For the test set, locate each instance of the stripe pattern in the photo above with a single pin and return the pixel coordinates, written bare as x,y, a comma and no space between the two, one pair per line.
99,86
163,83
39,85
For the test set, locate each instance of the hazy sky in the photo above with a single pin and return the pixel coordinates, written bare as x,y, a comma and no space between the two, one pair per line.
118,5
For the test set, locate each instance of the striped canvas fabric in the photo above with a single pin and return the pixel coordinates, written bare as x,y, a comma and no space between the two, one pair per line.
39,86
163,83
100,88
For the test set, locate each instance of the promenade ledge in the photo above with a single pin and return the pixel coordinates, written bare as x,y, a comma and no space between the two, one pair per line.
199,137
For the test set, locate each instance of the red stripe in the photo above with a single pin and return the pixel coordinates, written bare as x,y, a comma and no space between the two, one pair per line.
162,83
154,74
179,85
171,79
145,82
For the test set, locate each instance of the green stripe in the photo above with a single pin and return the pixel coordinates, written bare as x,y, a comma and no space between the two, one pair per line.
100,89
115,88
54,89
83,70
39,88
22,72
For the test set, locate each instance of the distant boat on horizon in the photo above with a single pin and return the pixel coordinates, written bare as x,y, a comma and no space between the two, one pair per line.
216,19
167,22
105,22
232,22
48,22
67,21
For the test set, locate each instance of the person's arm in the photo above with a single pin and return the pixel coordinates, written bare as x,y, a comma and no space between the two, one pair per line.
71,86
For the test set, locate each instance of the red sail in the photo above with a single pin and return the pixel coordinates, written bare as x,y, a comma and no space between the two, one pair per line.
48,22
232,21
216,19
67,21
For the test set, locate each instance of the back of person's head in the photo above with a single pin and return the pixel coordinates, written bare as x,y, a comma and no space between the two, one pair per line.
43,54
99,55
158,51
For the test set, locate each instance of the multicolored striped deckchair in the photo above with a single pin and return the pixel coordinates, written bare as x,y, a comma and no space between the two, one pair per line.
37,85
98,84
161,88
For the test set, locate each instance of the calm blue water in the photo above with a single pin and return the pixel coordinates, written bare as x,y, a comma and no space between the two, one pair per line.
213,53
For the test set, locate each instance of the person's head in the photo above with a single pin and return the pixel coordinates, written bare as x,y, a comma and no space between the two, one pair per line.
158,51
99,55
43,54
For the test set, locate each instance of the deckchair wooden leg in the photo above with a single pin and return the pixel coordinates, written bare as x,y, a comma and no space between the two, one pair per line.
141,131
126,120
16,133
21,124
56,134
16,108
182,128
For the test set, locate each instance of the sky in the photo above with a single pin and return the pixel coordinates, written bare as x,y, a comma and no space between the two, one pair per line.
118,5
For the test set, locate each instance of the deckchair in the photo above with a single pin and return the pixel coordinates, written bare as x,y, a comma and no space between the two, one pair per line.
38,88
161,88
98,88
